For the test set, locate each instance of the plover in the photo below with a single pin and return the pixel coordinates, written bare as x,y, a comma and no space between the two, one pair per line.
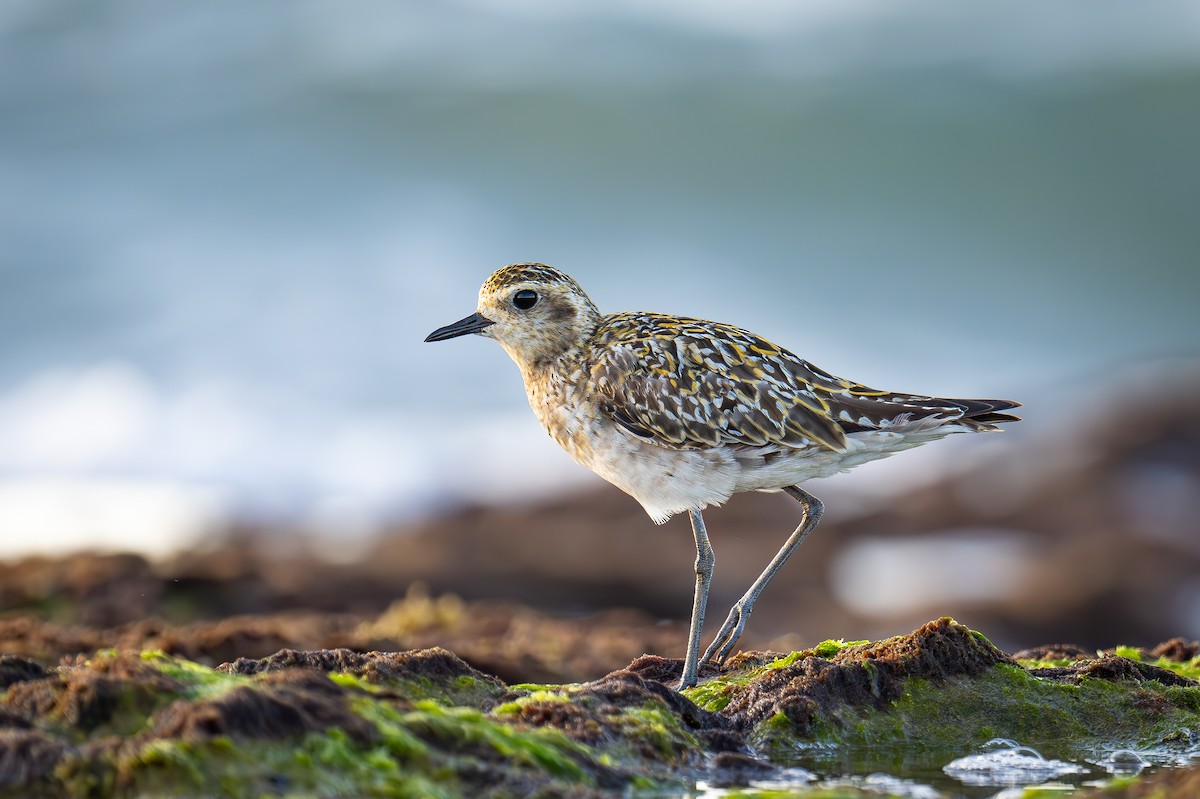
682,413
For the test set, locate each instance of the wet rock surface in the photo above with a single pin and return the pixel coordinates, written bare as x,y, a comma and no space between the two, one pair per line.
868,675
342,721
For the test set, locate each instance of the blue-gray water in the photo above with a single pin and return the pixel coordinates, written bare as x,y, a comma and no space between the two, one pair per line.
226,227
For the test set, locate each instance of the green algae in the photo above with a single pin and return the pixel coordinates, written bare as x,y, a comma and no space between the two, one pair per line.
198,681
431,737
531,687
318,764
713,698
644,740
356,682
542,748
416,753
1049,663
653,728
414,747
518,706
103,696
715,694
1185,668
399,740
906,691
462,689
446,736
1006,701
828,649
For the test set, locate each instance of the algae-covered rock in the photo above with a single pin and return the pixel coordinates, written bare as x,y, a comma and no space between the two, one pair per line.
424,723
946,685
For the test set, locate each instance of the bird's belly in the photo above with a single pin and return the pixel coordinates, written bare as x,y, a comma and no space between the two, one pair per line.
665,481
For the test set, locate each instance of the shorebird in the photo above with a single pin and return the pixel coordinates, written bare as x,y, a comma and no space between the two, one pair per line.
682,413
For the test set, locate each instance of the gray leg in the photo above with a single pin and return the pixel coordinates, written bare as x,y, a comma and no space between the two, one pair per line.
704,570
735,623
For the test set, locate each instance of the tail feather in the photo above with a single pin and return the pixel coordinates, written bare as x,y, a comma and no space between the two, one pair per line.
984,414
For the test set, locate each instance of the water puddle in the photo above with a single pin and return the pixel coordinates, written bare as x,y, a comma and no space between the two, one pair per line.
1000,769
1006,763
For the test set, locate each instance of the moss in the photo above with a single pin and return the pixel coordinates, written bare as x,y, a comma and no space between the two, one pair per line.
374,771
982,639
714,695
1184,668
399,740
531,687
423,752
947,687
451,731
545,749
181,761
406,748
200,682
776,725
1184,697
354,681
1047,663
828,649
541,696
653,726
463,690
1007,701
112,694
320,764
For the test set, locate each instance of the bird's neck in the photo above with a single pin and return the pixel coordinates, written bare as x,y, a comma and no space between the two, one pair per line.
560,361
559,353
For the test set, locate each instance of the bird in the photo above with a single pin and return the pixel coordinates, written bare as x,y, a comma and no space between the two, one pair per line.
681,413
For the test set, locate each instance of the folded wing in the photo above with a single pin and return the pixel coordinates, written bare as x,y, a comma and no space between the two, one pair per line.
690,384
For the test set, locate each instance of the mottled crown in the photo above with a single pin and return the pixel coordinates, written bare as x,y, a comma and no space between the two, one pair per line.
516,274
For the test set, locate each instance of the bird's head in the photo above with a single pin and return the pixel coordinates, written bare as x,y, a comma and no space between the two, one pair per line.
536,312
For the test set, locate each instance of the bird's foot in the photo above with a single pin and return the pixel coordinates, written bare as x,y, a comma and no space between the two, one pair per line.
728,635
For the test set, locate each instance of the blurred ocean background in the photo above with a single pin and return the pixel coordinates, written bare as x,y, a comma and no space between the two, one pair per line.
225,229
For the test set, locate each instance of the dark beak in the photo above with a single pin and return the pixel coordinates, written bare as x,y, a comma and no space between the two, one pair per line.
472,324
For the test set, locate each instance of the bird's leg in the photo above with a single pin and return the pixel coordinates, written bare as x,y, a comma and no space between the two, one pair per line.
704,570
735,623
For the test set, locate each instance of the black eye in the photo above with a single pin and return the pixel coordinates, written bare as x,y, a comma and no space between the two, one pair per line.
525,299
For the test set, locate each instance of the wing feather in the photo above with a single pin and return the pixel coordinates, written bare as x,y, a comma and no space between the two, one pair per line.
689,384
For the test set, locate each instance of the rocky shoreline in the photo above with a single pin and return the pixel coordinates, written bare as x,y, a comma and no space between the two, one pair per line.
139,722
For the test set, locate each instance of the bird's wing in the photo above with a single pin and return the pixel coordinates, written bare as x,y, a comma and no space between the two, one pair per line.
856,407
690,384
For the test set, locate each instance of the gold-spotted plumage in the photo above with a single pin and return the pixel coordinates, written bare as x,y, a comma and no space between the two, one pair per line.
682,413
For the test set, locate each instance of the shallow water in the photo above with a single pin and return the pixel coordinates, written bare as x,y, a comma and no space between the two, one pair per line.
952,773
